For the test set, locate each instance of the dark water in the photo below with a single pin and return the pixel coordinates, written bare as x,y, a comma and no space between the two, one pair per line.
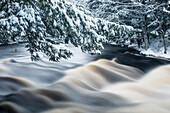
118,81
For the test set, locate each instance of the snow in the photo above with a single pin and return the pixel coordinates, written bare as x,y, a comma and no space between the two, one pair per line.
22,33
2,13
14,28
3,22
17,5
21,21
93,27
13,19
151,51
157,49
165,10
21,13
38,18
155,32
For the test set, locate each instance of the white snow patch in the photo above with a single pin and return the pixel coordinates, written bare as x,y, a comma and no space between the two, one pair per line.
157,49
165,10
160,53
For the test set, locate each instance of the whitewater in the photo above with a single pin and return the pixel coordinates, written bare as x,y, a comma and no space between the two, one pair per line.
120,80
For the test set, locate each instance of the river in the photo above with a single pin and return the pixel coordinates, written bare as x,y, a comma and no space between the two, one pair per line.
120,80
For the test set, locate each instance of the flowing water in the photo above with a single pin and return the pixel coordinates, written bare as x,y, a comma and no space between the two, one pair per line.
118,81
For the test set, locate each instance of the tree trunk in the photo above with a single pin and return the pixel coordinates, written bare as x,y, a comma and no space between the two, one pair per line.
144,27
164,42
139,42
145,36
146,40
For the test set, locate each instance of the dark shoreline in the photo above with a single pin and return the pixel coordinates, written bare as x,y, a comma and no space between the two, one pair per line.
132,57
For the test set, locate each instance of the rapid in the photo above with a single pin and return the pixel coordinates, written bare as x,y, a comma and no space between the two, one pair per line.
118,81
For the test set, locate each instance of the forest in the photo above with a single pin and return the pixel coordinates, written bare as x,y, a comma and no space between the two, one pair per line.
47,26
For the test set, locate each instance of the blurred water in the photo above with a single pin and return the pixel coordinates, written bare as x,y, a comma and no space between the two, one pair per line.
118,81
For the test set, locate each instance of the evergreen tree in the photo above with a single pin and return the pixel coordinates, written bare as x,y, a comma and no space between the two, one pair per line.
47,25
145,15
162,14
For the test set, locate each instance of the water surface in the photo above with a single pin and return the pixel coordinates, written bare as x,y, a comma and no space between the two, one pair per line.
118,81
